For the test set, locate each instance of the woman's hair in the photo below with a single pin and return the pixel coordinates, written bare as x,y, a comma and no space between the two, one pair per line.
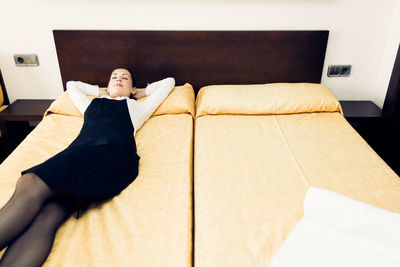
133,77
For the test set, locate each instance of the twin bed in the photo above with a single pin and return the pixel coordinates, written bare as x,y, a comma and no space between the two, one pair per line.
224,168
150,222
258,150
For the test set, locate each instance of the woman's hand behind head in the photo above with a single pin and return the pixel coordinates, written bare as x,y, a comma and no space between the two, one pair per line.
139,94
103,92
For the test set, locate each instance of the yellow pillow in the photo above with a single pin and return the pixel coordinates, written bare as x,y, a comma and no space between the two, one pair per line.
271,98
180,100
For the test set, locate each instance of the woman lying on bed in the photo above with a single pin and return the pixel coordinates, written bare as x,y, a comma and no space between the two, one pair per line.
97,165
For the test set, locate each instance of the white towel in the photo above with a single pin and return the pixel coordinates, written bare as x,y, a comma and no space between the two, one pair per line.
339,231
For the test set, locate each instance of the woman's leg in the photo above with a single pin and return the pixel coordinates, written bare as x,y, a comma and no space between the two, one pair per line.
29,195
33,246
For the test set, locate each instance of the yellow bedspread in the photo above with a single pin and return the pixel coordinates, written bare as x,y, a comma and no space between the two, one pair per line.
252,172
147,224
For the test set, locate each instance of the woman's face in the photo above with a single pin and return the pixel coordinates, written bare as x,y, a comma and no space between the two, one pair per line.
120,84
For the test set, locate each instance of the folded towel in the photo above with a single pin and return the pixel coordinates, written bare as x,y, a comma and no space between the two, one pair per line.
339,231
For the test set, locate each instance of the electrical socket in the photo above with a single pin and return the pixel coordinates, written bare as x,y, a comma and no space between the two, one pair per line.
339,70
26,60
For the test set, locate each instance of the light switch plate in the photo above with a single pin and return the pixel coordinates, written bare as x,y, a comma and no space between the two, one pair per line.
26,60
339,70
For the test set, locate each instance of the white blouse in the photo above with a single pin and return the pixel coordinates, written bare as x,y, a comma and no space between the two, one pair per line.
139,112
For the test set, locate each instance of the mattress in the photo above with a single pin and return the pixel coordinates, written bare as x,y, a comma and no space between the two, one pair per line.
258,149
147,224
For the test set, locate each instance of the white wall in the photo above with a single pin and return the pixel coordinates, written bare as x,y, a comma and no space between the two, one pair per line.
363,33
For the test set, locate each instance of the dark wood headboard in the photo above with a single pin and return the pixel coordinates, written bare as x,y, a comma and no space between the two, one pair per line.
198,57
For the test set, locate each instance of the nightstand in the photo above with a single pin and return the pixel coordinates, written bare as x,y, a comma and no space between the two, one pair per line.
14,121
375,127
357,112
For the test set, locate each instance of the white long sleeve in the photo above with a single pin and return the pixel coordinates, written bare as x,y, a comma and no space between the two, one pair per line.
79,91
139,112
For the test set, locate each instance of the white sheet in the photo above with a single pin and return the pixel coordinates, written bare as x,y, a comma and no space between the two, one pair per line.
339,231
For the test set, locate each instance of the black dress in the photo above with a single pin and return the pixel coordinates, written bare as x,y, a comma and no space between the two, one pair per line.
101,161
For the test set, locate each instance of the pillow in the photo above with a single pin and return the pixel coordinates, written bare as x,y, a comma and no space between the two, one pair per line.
270,98
180,100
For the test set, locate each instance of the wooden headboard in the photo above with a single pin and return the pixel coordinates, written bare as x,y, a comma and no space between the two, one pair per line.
197,57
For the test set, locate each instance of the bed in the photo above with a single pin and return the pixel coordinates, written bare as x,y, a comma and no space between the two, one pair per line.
258,149
150,222
138,226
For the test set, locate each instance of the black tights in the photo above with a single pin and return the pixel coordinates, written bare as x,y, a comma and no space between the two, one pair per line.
29,221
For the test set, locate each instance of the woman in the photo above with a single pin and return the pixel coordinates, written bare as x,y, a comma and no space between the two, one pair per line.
97,165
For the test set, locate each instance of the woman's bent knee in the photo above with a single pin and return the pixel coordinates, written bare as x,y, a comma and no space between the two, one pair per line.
30,184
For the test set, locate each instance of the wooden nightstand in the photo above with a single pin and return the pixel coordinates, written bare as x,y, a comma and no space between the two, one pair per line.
359,112
376,127
14,121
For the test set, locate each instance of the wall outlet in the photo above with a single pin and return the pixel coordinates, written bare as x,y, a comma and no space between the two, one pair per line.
339,70
26,60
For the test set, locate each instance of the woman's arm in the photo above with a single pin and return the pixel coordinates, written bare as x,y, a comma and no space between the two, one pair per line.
150,88
141,111
155,86
157,93
79,91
